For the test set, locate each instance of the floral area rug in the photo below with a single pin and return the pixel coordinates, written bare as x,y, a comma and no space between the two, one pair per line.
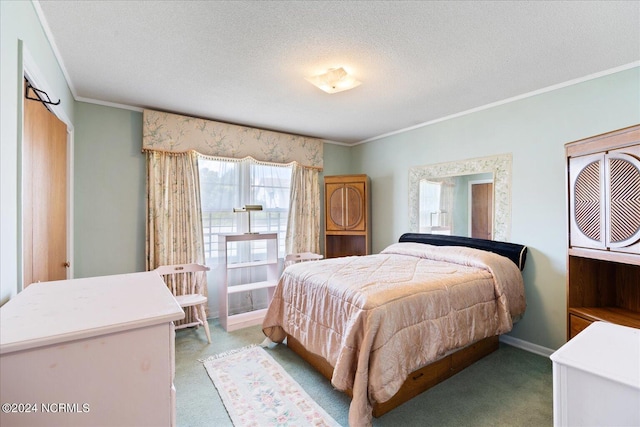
257,391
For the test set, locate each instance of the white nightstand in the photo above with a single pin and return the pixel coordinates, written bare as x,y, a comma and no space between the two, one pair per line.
596,378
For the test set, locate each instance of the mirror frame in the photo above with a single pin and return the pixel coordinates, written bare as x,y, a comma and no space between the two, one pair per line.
500,165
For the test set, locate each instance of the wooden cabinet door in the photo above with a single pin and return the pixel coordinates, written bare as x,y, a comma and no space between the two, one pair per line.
622,180
345,207
334,207
586,196
605,200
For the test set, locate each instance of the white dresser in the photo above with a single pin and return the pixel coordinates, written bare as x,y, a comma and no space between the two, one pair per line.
596,377
97,351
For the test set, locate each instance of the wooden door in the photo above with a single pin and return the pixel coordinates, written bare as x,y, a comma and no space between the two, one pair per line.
482,211
44,214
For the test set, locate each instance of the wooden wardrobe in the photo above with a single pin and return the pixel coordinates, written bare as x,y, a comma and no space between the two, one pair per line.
603,266
347,215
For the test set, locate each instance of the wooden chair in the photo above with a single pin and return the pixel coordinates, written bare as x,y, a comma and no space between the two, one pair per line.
289,260
301,257
195,300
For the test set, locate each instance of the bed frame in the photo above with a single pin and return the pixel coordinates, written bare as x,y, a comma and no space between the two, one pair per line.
418,381
428,376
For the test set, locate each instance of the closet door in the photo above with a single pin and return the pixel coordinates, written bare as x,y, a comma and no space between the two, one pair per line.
44,193
587,206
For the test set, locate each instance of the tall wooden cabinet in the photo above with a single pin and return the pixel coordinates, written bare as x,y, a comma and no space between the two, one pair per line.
603,267
347,215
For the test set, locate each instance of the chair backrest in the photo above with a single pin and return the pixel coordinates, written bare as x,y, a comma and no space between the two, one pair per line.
303,256
165,270
180,268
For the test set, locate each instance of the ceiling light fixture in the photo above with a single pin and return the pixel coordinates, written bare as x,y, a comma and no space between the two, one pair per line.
334,80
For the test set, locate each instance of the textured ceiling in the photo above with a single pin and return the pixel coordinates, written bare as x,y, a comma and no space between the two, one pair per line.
245,62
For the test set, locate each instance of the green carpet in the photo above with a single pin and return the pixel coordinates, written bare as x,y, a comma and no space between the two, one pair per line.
510,387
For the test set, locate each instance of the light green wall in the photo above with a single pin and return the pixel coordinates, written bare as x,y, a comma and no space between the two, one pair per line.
110,240
109,170
535,130
20,32
110,189
109,226
337,161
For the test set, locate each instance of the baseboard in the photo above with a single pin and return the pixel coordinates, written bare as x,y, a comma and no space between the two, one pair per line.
526,345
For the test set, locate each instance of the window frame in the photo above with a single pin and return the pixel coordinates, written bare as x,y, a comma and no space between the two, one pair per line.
238,222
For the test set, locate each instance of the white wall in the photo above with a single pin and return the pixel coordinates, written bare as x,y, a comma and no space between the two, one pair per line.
535,130
21,35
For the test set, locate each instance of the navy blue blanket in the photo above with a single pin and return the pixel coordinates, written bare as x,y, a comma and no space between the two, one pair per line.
515,252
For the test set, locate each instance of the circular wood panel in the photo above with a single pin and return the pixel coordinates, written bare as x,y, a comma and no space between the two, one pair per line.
353,214
587,201
335,207
624,200
345,207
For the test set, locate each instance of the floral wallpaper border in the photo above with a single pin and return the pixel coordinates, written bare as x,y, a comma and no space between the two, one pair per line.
175,133
500,165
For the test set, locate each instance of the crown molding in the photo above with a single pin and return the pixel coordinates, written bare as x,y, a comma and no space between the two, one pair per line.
508,100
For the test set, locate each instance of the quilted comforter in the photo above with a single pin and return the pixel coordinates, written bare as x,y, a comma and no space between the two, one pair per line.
377,318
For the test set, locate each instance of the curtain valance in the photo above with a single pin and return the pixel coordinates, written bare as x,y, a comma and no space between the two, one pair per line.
176,133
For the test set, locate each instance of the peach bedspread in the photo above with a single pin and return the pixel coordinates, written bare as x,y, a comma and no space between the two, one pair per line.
377,318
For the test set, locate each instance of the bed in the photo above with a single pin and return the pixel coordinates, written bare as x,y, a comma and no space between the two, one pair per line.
385,327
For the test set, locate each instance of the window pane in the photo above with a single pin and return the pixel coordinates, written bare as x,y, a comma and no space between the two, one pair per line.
219,194
226,185
429,193
269,187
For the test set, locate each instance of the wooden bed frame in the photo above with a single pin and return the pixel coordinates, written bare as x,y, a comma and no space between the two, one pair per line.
418,381
438,371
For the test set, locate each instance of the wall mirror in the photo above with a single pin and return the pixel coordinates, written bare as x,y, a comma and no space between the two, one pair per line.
452,197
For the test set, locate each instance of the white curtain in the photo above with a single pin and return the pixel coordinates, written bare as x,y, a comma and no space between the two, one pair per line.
228,183
174,221
303,226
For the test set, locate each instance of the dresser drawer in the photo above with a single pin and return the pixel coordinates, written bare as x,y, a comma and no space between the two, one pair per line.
577,324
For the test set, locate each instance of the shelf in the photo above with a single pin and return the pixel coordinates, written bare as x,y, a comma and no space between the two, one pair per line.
616,315
252,286
242,320
345,245
268,273
245,237
250,264
626,258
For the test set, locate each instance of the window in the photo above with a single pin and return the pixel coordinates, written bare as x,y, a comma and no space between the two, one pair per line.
429,205
225,185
